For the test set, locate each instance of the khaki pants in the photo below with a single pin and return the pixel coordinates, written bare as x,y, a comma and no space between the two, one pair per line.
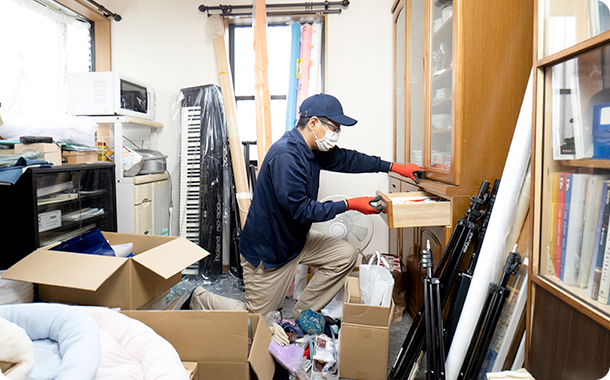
266,288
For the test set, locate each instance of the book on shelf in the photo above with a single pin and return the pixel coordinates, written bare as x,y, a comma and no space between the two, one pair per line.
600,243
566,223
554,223
571,260
591,229
561,197
604,281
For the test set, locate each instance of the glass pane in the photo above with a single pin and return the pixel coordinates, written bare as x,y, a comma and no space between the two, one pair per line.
244,61
441,64
576,206
571,97
566,23
278,46
400,88
416,87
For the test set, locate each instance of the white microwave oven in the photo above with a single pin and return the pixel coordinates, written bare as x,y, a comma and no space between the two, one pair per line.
110,93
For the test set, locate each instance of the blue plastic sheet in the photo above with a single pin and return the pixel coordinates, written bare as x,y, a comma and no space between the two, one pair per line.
293,81
91,242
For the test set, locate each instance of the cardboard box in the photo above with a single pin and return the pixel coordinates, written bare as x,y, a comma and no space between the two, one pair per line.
363,326
191,370
52,152
216,340
74,158
128,283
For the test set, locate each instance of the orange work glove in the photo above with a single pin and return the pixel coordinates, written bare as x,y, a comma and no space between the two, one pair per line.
409,170
362,204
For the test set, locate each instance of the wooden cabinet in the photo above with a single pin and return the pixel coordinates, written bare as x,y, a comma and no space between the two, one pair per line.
568,322
461,69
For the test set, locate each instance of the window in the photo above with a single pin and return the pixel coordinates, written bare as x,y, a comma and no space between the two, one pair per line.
41,42
241,53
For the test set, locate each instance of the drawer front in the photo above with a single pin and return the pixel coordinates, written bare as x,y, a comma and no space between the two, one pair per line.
394,185
408,210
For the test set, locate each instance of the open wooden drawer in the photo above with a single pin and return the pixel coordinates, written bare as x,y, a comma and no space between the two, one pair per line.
415,209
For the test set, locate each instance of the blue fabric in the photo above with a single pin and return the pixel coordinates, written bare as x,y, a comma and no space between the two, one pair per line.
284,203
11,174
92,243
293,81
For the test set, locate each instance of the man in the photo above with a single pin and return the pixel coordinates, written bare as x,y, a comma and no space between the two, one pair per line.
277,237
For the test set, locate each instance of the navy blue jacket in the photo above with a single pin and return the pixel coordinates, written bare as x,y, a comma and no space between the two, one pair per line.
284,204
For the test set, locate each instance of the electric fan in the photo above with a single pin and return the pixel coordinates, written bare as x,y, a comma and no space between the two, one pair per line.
352,226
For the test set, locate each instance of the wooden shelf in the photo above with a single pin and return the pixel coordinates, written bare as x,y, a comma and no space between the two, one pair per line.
575,297
587,163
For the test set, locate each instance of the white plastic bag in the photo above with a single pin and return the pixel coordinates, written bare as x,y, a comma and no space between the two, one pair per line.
376,283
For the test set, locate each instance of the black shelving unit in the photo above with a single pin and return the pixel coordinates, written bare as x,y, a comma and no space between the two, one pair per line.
49,205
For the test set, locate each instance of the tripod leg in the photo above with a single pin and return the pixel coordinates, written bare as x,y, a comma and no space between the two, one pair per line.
487,335
439,332
430,375
477,333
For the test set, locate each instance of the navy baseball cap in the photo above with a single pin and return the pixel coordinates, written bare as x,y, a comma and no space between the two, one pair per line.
327,106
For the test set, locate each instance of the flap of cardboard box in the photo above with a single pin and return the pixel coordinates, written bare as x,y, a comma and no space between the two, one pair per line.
164,255
201,336
359,314
260,359
67,269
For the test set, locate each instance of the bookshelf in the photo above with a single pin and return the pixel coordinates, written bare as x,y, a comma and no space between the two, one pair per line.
568,330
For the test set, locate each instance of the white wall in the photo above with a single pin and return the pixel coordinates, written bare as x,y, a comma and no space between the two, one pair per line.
165,43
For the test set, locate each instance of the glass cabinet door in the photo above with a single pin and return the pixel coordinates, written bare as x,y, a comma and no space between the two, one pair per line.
73,202
400,98
440,137
416,83
566,23
574,244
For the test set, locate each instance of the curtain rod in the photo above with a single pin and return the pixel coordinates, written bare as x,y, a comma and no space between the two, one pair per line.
103,10
227,10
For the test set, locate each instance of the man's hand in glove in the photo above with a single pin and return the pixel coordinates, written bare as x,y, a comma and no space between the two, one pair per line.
361,204
409,170
279,335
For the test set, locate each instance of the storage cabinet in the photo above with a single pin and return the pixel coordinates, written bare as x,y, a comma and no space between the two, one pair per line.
568,320
49,205
113,131
461,69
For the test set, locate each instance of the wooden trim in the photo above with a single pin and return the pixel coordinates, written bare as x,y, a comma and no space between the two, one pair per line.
406,83
575,50
103,50
395,5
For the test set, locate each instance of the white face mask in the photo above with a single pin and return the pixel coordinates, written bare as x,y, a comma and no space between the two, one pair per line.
329,140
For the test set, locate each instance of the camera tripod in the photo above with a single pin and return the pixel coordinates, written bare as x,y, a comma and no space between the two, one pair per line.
488,320
435,350
446,273
465,277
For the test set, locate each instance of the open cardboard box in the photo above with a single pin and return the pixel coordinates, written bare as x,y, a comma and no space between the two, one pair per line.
363,326
216,340
127,283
